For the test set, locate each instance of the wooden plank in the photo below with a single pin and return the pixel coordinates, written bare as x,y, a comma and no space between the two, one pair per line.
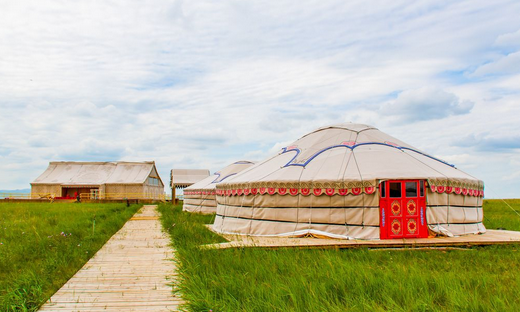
145,218
491,237
134,271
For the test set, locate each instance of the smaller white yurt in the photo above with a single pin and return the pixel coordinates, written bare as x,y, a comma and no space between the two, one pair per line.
200,197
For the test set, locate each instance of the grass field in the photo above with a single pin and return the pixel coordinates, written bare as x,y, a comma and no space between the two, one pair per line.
43,245
249,279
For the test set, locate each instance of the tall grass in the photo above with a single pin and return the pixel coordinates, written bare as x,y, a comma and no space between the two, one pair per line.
502,214
254,279
42,245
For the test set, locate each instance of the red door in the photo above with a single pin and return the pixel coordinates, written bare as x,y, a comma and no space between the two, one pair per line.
402,208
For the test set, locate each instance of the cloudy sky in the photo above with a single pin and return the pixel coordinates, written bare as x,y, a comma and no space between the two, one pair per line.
200,84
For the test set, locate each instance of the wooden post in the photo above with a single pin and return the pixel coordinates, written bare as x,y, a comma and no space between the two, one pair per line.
174,199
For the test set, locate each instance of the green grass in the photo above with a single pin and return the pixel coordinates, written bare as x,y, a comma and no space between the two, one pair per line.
503,214
255,279
42,245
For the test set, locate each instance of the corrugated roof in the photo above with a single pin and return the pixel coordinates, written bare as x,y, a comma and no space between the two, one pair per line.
187,177
95,173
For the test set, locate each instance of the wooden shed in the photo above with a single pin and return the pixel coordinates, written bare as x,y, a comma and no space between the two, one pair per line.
100,180
182,178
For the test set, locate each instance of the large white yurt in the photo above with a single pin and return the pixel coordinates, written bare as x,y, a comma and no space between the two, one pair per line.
350,181
200,197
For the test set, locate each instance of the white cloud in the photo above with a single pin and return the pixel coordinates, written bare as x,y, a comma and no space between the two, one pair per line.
509,40
512,176
204,83
491,142
509,64
426,104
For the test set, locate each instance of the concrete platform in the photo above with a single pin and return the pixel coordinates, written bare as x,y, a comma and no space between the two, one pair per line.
491,237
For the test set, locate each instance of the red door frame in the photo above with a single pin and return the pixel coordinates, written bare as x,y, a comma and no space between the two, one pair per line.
402,217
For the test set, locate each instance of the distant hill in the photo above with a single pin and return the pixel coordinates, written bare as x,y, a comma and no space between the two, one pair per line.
22,191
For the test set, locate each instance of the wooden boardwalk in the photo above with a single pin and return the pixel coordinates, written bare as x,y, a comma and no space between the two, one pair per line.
133,271
491,237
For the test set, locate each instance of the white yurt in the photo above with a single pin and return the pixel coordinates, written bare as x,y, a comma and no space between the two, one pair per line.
200,197
350,181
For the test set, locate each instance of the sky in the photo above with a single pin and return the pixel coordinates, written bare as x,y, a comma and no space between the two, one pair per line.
201,84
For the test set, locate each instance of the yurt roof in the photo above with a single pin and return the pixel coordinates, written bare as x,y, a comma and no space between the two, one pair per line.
348,155
219,176
96,173
187,177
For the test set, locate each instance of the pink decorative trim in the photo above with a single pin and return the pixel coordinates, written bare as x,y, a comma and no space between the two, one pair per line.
328,191
456,190
216,192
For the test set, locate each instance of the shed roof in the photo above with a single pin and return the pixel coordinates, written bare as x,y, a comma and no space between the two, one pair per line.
187,177
96,173
210,182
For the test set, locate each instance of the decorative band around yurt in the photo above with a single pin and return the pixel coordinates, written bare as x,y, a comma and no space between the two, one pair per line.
295,191
456,187
197,192
331,191
333,188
